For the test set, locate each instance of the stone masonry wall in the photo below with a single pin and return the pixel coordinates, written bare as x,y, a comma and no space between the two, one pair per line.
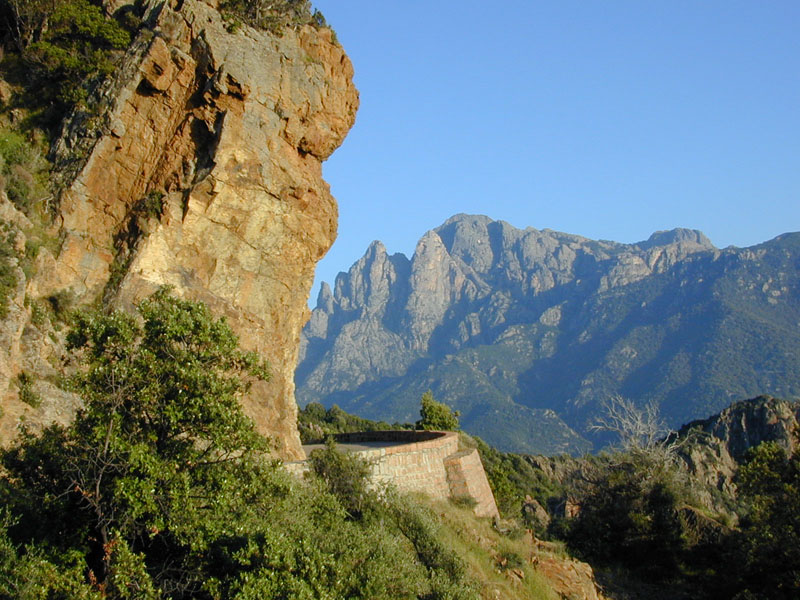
414,467
424,461
468,479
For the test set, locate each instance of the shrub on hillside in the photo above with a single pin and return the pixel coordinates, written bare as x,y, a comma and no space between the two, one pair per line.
8,276
61,49
315,423
628,515
272,15
23,170
436,416
346,476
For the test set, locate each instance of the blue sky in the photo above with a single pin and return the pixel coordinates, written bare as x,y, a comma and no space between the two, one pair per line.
605,118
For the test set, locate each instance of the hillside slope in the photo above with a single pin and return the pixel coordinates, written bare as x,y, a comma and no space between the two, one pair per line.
526,332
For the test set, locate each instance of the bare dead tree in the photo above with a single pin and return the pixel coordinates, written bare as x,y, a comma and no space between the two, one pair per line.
636,427
641,431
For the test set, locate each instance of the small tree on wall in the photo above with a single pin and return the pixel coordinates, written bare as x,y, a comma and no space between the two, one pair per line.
436,415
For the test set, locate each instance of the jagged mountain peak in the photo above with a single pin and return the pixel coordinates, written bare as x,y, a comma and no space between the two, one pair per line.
677,236
475,251
521,327
325,298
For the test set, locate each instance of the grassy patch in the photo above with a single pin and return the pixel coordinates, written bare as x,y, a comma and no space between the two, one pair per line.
24,172
491,557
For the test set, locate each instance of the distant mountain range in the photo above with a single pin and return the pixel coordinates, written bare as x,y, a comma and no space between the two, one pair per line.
527,332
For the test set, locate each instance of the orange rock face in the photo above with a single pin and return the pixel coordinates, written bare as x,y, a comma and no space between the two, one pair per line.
229,130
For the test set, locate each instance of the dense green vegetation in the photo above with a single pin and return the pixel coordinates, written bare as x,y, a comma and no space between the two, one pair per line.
770,530
23,177
316,423
24,172
635,514
8,277
629,514
56,52
161,488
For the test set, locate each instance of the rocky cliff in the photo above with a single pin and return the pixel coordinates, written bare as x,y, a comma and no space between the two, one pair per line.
528,331
202,172
716,446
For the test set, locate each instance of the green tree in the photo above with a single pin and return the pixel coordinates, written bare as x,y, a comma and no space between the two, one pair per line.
316,424
160,442
770,531
436,415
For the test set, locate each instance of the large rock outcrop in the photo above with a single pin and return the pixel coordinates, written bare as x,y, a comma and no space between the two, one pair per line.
204,174
718,445
528,331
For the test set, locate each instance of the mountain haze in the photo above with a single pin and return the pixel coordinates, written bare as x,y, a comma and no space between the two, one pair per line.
527,331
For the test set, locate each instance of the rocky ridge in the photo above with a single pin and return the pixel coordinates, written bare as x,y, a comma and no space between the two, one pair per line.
527,331
719,444
203,173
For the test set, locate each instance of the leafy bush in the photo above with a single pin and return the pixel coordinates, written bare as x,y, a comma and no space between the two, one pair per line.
160,440
23,171
63,48
509,560
770,531
436,416
272,15
27,573
26,393
75,48
447,572
628,515
346,476
61,303
151,206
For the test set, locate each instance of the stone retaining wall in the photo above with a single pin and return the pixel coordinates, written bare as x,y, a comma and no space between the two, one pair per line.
467,478
414,466
424,461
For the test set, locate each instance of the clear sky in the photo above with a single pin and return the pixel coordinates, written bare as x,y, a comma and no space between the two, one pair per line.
605,118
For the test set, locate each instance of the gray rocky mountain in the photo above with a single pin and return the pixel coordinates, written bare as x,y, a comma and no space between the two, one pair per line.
528,331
